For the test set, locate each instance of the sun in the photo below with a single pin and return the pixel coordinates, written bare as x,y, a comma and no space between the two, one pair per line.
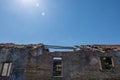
30,3
32,6
27,2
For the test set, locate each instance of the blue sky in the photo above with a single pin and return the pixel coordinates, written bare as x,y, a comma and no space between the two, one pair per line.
60,22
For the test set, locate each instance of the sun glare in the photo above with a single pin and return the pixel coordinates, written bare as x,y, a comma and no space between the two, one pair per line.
27,1
30,3
30,6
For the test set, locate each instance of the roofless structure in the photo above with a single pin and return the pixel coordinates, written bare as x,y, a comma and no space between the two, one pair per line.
39,62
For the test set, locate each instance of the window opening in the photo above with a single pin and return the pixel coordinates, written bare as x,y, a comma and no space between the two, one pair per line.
5,68
106,63
57,66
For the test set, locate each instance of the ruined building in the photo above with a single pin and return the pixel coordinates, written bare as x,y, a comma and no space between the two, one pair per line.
37,62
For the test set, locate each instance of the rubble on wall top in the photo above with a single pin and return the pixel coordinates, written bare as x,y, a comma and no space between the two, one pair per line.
77,48
101,47
12,45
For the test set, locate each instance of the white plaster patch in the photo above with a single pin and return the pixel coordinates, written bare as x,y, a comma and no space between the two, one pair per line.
93,61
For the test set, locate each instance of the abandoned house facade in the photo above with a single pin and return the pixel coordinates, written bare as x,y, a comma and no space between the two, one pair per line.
37,62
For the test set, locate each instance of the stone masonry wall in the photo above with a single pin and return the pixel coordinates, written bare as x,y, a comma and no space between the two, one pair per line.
18,57
80,65
33,62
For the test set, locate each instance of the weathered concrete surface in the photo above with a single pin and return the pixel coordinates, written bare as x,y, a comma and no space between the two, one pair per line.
34,62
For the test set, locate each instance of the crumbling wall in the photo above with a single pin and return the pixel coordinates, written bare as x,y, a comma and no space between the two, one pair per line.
33,62
88,66
17,56
38,67
80,65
